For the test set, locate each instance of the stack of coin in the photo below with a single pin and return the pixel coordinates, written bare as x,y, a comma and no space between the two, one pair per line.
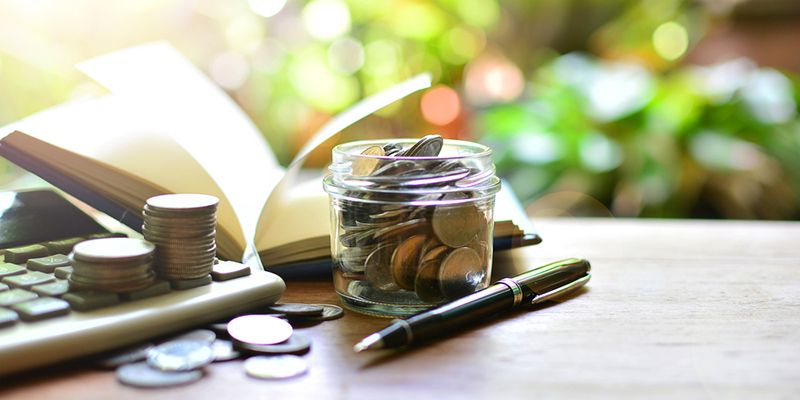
112,264
438,251
183,228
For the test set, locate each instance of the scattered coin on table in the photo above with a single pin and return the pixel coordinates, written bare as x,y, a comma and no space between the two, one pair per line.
296,344
141,375
275,367
180,356
259,329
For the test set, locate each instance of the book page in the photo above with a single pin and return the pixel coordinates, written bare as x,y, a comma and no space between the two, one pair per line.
200,116
270,232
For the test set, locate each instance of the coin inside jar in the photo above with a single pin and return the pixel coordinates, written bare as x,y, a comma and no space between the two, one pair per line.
364,166
461,273
405,261
456,224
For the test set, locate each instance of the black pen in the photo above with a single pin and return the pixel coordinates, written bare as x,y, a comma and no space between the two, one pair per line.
532,287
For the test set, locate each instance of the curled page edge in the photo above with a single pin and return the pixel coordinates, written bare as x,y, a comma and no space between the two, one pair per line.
336,124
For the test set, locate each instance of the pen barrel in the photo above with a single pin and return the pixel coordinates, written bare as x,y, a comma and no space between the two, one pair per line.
442,320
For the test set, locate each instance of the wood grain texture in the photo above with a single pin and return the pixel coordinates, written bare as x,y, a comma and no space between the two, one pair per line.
676,309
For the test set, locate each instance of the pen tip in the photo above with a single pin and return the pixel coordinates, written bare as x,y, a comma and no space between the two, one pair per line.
373,341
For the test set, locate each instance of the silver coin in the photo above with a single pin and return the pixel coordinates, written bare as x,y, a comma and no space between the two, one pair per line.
113,250
197,335
329,312
296,344
141,375
223,350
461,273
124,356
180,356
428,146
182,202
259,329
297,309
275,367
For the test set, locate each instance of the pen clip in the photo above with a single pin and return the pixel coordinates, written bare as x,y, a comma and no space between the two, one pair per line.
561,290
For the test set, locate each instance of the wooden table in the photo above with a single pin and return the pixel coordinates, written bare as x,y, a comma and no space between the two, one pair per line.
676,309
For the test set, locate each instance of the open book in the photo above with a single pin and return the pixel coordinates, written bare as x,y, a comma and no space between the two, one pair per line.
167,128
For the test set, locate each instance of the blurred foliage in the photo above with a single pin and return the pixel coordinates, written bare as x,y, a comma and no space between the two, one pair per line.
589,105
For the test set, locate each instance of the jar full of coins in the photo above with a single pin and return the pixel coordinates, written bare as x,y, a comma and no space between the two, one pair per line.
411,223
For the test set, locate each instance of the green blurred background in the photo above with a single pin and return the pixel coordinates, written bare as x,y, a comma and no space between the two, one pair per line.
642,108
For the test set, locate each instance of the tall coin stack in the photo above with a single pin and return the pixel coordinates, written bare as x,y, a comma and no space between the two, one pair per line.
183,228
112,264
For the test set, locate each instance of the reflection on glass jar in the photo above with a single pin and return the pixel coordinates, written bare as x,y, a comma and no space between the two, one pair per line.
411,223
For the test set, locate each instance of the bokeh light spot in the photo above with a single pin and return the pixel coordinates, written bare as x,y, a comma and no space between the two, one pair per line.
324,89
267,8
419,21
380,58
346,55
326,20
268,56
491,79
440,105
483,13
670,40
229,70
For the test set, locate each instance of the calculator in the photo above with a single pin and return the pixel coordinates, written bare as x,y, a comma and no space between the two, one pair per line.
44,321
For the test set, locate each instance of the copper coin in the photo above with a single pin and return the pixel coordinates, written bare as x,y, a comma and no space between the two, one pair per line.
426,284
378,268
456,224
405,261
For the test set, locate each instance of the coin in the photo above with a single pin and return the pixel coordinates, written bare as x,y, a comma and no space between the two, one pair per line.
435,254
405,261
141,375
426,283
461,273
197,335
297,344
297,309
329,312
378,268
223,350
182,202
113,250
363,166
455,224
275,367
181,355
428,146
259,329
124,356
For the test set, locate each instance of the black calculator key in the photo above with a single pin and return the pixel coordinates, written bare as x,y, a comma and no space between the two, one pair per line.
48,264
55,289
8,269
32,278
14,296
45,307
86,300
20,255
7,317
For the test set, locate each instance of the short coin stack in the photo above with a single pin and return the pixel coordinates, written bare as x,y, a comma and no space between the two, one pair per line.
112,264
183,228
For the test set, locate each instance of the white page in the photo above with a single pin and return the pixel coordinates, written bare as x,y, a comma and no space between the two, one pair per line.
200,116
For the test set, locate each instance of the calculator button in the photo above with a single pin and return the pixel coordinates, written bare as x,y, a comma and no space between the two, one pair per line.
14,296
41,308
48,264
89,300
7,269
158,288
3,287
27,280
63,272
228,270
55,289
63,246
7,317
19,255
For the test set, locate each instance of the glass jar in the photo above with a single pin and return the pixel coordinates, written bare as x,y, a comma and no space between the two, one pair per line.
411,229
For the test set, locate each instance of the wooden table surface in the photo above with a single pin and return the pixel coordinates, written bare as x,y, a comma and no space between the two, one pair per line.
676,309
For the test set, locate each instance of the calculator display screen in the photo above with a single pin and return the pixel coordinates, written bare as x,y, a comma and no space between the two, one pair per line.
40,216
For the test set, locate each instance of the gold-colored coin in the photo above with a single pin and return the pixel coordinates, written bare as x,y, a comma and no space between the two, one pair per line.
462,272
456,224
405,261
364,166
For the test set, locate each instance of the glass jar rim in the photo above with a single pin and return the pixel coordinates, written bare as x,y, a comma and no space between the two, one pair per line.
481,150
